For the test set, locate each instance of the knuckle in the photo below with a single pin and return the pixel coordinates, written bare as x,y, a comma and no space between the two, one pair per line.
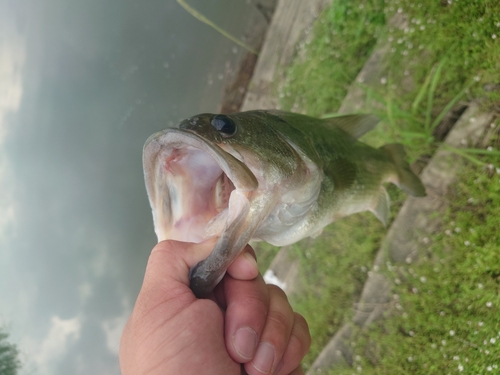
255,303
277,291
281,320
301,333
301,321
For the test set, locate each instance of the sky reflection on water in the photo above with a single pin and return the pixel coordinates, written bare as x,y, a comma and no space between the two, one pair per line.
82,86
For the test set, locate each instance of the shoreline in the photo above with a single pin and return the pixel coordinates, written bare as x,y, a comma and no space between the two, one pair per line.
236,87
253,85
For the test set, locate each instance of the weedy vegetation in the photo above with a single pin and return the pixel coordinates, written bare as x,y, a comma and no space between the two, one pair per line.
446,317
447,304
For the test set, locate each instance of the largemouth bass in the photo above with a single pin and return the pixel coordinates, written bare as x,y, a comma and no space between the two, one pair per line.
265,175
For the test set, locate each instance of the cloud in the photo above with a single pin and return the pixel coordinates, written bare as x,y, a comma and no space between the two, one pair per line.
86,291
114,327
62,333
12,59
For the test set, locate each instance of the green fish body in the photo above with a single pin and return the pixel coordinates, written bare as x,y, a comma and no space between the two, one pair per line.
265,175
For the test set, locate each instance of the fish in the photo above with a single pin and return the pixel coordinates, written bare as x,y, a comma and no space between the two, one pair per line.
265,175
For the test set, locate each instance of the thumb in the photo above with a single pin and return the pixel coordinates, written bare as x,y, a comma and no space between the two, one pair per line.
167,271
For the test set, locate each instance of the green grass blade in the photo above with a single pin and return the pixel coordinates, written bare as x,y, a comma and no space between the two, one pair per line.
370,93
413,135
396,109
390,115
421,94
464,152
449,105
206,21
479,151
332,115
430,97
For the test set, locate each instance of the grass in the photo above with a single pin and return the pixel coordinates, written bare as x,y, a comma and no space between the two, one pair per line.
345,36
337,265
414,127
449,51
447,54
447,304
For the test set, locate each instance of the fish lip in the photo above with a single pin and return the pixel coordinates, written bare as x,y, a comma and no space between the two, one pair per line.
241,176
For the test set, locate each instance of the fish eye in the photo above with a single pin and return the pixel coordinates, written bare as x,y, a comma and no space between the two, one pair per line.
224,125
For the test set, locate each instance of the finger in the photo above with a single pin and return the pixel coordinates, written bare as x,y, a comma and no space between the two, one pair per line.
244,266
173,258
247,304
276,334
297,371
167,271
298,346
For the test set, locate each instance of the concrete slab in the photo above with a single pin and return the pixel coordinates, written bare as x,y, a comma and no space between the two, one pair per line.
291,20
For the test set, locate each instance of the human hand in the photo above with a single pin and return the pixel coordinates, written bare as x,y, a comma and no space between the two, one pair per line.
245,325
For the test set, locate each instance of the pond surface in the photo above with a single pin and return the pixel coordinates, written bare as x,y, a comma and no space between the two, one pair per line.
82,86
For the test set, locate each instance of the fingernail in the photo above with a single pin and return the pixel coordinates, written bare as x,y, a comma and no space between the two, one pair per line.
250,259
264,357
244,342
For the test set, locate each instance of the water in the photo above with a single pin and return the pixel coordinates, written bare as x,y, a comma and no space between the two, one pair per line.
82,86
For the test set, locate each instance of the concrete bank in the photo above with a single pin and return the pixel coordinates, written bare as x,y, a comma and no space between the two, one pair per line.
290,24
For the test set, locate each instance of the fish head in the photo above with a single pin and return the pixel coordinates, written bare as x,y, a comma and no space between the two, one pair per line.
190,179
216,176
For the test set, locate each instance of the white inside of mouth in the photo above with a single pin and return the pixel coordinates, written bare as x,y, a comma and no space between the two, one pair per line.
194,195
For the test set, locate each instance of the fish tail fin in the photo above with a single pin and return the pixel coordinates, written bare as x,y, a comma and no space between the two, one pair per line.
406,179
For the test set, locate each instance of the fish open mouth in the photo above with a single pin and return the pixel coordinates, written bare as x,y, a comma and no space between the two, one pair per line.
195,188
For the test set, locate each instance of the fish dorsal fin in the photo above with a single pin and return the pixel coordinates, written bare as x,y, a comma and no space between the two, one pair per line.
355,125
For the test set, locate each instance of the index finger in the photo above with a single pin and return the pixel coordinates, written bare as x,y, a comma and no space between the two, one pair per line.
247,304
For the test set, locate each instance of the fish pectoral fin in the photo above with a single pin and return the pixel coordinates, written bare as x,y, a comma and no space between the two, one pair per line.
343,173
382,206
355,125
406,179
